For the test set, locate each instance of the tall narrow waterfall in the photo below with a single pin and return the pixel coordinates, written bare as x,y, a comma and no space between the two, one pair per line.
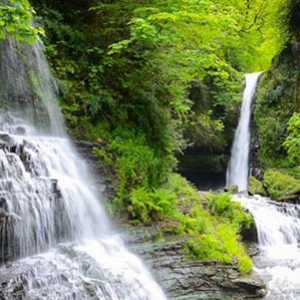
53,229
237,171
278,231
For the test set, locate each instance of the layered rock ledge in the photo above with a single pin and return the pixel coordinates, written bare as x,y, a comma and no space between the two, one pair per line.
191,279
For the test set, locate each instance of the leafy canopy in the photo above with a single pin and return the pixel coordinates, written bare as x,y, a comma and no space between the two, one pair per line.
204,35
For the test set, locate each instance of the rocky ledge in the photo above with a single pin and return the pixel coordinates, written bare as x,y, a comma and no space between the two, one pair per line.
191,279
180,278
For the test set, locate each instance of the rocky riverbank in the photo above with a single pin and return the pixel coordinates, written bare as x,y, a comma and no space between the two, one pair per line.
181,278
191,279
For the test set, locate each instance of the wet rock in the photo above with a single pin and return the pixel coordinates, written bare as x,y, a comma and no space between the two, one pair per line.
252,283
6,139
250,234
99,182
20,130
183,278
256,187
290,196
233,189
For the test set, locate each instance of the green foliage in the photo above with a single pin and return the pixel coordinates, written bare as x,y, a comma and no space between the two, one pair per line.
213,234
139,172
155,206
16,20
222,206
136,164
183,189
245,264
277,182
277,101
292,142
271,138
193,223
222,245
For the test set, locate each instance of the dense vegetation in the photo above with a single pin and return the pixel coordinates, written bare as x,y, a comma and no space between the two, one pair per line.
146,79
277,113
16,19
126,70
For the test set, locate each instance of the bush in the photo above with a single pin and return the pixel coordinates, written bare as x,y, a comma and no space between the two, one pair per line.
222,206
222,245
215,234
245,264
277,182
155,206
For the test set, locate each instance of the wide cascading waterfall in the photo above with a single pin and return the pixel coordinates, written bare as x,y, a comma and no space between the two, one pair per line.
278,233
237,171
53,229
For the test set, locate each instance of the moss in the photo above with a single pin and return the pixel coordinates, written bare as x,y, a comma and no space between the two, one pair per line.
232,189
256,187
214,229
277,182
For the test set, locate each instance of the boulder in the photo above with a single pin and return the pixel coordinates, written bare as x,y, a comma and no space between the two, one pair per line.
232,189
256,187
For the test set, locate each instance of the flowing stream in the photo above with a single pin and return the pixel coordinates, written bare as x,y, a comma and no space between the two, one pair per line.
277,224
237,171
278,232
55,239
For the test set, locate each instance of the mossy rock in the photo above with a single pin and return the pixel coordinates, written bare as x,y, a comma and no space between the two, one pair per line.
290,196
278,183
232,189
256,187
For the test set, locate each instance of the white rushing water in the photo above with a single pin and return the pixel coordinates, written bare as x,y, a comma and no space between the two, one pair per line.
237,171
278,231
53,228
277,224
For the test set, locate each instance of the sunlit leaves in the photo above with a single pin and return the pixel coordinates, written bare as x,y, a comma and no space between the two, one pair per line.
259,32
16,19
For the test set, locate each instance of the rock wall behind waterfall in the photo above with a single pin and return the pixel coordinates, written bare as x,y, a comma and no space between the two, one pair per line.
278,98
205,160
255,165
27,87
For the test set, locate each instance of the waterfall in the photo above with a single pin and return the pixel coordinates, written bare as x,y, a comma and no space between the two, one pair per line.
278,232
53,230
27,88
237,171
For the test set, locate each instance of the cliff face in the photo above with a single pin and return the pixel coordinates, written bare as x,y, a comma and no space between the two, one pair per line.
278,98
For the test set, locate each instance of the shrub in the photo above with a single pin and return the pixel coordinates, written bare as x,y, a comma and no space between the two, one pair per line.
245,264
277,182
222,206
155,206
221,244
